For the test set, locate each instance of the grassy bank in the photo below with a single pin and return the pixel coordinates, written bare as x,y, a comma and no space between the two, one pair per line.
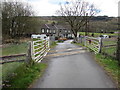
111,66
24,75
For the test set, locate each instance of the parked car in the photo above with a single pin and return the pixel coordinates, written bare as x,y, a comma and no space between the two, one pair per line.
104,36
62,39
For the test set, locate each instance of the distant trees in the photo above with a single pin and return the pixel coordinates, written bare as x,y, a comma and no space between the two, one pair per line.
16,19
77,14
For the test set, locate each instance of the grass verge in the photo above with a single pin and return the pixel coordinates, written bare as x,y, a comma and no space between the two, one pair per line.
24,75
110,66
53,44
9,68
79,44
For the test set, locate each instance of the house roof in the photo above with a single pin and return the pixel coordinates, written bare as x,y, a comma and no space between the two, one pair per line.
59,27
51,26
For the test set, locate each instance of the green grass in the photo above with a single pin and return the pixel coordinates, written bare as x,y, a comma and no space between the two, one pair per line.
24,75
60,41
80,44
9,68
34,39
109,50
98,34
110,42
53,44
110,65
15,49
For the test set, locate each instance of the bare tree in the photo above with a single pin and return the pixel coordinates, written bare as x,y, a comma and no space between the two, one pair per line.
15,18
76,13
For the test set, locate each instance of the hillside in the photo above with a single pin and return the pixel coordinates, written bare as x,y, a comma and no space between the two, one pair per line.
96,24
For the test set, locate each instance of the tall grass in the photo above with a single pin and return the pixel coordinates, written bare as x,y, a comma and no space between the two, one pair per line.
9,68
25,75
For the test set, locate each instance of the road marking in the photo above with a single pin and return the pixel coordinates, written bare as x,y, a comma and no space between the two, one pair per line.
66,49
69,53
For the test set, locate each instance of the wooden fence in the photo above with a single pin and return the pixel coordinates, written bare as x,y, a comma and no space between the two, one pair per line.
109,47
13,58
39,49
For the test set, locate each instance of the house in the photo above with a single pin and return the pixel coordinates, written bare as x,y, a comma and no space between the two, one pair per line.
55,30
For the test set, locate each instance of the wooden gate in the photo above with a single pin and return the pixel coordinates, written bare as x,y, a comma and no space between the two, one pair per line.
94,44
39,49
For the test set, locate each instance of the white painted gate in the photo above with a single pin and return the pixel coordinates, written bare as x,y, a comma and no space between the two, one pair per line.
94,44
39,49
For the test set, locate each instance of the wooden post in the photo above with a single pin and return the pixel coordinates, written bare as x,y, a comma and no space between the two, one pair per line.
100,45
28,58
85,40
48,42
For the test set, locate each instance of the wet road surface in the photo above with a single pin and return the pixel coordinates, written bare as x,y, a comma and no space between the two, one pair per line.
77,70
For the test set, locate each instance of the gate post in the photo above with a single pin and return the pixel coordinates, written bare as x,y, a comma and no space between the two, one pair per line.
100,45
28,56
85,40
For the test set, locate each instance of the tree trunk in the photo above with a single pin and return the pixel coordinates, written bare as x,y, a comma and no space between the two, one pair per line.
75,38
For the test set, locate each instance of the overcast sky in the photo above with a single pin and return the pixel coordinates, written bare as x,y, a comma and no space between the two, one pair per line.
48,7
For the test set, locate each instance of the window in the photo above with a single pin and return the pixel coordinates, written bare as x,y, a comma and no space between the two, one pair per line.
43,30
50,31
47,30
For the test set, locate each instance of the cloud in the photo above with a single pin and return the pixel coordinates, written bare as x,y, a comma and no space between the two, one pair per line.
48,7
44,7
107,7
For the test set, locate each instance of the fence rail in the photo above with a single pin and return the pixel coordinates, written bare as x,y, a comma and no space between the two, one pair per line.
12,58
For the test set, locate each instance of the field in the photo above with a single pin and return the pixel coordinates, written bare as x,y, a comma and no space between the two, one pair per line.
10,49
98,34
14,49
110,50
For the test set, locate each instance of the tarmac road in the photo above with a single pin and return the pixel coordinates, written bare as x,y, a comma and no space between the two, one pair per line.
73,71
